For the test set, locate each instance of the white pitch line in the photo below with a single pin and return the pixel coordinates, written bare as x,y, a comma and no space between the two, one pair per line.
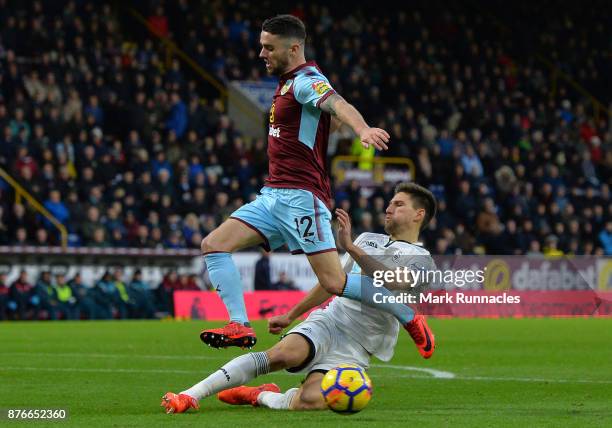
439,374
98,370
396,375
96,355
533,379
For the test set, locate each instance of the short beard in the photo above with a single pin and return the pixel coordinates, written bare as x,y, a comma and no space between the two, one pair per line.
279,70
390,228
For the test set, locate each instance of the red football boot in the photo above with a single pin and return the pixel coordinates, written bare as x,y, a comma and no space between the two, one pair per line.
245,394
233,334
422,335
178,403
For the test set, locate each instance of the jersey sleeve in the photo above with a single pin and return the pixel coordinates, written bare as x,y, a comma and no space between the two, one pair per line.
347,261
312,88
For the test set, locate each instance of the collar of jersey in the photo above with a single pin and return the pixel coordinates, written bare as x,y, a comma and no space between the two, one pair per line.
288,74
391,241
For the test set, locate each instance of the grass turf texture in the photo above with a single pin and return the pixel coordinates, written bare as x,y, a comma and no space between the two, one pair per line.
525,372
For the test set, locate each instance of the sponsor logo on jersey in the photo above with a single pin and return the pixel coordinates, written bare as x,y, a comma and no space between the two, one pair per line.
321,87
286,87
371,244
274,132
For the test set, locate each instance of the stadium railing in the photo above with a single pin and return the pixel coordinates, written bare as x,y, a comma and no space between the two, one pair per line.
21,192
598,107
375,173
173,49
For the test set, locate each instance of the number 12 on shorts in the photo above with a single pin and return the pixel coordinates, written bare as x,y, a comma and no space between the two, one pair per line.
303,226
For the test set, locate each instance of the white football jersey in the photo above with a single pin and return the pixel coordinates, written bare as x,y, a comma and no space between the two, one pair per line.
374,329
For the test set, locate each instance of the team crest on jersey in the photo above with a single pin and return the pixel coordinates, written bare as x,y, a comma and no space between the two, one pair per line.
397,256
321,87
286,87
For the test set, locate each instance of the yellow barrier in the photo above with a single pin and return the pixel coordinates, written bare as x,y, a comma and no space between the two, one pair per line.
598,107
20,192
172,48
377,161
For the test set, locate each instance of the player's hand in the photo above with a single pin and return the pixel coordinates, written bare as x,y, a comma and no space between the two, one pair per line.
374,137
277,323
345,238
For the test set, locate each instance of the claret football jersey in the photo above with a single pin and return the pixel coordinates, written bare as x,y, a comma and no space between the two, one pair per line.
299,132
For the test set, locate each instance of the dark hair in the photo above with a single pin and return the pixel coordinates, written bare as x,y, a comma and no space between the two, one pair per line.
421,198
287,26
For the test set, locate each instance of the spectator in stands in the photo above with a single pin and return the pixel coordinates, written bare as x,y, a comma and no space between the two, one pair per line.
21,237
91,224
188,282
67,302
262,272
4,297
141,296
105,295
284,283
85,304
177,122
99,239
57,208
122,301
41,239
47,296
605,237
4,230
165,298
25,300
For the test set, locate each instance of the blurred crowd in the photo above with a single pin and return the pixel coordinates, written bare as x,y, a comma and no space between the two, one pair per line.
113,296
126,148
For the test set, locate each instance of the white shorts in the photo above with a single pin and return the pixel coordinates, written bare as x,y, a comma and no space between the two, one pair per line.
329,345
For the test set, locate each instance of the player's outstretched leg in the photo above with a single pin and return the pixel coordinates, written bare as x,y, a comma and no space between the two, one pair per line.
307,397
217,247
291,351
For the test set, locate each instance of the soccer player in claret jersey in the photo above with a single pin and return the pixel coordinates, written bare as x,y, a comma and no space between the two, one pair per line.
293,207
345,332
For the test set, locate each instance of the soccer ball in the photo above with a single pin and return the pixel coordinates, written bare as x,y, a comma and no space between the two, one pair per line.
347,389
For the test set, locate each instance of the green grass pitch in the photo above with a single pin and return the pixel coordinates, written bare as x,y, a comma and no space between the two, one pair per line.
499,372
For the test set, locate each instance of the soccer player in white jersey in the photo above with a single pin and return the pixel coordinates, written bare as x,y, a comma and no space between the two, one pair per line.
345,332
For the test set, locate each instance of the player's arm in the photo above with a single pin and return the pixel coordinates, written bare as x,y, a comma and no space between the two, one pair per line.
339,108
366,262
315,297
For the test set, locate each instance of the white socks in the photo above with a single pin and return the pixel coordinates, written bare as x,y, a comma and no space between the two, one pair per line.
237,372
277,400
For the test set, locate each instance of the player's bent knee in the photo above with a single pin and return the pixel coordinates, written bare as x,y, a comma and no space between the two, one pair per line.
309,400
211,243
282,358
